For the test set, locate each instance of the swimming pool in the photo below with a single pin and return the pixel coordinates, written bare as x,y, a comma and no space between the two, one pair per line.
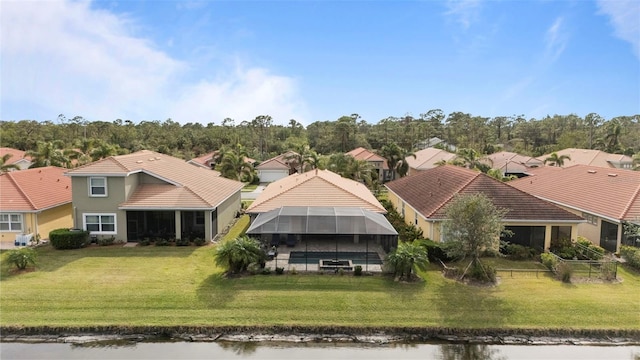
313,257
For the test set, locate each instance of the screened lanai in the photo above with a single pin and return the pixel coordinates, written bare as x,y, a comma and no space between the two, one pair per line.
307,234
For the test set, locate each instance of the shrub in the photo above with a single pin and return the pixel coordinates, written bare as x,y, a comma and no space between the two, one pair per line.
253,268
357,270
564,272
279,270
483,273
435,252
182,242
107,241
341,271
21,258
519,252
549,260
631,255
162,242
145,242
293,271
199,241
266,271
69,239
592,252
564,248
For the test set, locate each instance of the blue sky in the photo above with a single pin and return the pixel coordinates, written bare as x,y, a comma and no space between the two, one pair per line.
203,61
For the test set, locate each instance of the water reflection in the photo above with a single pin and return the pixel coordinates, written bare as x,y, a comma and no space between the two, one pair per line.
309,351
470,352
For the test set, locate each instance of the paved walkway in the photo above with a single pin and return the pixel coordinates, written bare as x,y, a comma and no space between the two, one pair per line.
252,195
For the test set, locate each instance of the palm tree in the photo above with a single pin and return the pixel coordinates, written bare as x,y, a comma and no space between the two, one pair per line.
471,159
612,138
4,166
556,160
360,170
636,162
49,154
236,255
234,165
396,159
409,257
497,174
103,150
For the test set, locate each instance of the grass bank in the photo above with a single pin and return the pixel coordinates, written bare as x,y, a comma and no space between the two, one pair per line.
181,286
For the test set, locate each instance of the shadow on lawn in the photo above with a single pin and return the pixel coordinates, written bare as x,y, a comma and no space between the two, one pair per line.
461,305
50,259
217,290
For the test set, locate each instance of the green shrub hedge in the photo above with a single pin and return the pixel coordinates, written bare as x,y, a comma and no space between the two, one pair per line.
69,238
631,255
549,260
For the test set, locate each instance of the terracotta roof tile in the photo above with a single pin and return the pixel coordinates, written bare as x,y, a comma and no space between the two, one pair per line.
512,162
205,183
367,155
315,188
277,163
34,189
614,193
427,158
591,157
431,190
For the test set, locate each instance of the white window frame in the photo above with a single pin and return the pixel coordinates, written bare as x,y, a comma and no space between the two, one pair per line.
91,194
591,219
10,223
100,223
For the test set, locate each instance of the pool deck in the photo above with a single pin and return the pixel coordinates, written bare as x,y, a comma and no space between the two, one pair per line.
284,252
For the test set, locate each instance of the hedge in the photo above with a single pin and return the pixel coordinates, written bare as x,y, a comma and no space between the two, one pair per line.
69,238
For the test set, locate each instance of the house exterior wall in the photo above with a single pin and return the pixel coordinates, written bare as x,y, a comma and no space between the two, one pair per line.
118,188
592,231
227,211
54,218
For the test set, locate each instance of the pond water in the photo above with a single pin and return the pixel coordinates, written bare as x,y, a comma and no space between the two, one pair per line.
310,351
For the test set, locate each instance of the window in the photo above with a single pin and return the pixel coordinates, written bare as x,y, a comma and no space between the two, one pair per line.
97,186
403,209
100,223
199,218
415,218
10,222
591,219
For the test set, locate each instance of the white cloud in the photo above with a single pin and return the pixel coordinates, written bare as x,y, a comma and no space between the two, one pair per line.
556,40
65,57
464,11
625,19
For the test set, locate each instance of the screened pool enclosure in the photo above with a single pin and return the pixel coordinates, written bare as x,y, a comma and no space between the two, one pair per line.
312,234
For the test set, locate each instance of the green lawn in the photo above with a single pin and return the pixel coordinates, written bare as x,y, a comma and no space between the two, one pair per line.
249,188
155,286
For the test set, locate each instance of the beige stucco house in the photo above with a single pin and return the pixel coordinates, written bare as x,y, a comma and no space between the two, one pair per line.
16,157
148,194
377,162
423,197
606,197
34,202
426,159
278,167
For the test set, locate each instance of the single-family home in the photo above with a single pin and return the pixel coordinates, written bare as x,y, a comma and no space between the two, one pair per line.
16,157
148,194
422,200
427,159
34,202
277,167
593,158
377,162
510,163
208,160
321,215
608,198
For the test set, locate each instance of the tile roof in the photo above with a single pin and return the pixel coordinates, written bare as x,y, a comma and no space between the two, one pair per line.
315,188
512,162
16,155
591,157
613,193
203,183
206,159
34,189
431,190
426,158
277,163
367,155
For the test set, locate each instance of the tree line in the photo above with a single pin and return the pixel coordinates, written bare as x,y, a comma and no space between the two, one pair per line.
70,142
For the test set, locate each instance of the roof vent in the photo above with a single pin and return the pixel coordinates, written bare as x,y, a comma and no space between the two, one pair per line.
157,157
151,159
612,175
139,161
591,171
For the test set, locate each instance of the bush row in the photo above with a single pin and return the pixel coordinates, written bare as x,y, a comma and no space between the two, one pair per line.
631,255
168,242
69,238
